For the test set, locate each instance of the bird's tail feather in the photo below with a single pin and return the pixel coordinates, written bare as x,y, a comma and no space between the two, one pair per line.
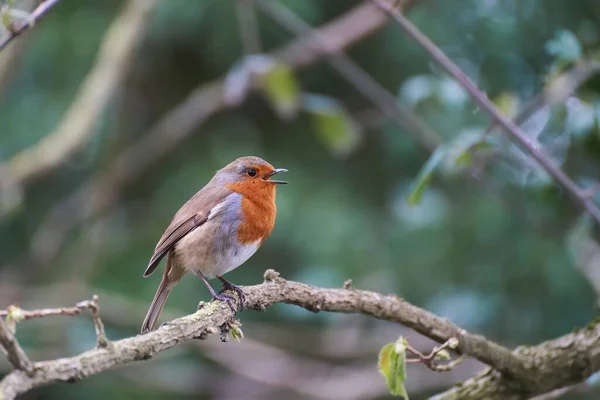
164,289
170,277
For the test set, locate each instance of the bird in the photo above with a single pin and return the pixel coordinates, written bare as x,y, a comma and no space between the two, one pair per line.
217,230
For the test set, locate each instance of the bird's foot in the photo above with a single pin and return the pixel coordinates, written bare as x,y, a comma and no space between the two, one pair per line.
225,297
230,286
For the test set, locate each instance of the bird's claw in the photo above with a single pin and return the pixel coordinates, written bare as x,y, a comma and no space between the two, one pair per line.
237,289
227,298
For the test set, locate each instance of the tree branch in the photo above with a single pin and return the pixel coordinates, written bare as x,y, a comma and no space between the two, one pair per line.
393,308
264,356
13,351
527,371
35,16
555,364
509,127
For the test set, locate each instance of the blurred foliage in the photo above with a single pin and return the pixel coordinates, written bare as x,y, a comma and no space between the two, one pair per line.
492,257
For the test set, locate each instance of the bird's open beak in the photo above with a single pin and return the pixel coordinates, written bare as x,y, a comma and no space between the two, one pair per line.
275,172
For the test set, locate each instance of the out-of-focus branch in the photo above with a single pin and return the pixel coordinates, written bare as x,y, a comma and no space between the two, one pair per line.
113,62
525,371
351,27
33,18
248,25
361,80
555,394
97,194
509,127
12,349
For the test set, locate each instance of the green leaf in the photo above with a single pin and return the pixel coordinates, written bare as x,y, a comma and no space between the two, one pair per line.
425,175
417,89
6,20
392,365
385,362
565,46
581,117
443,355
453,343
334,126
14,316
508,103
275,80
237,334
281,89
462,148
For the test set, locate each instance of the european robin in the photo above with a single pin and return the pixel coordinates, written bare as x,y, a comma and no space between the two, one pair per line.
217,230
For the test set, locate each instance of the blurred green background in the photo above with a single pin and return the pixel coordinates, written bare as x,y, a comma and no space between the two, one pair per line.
506,255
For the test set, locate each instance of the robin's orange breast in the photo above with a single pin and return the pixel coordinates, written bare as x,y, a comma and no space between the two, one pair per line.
258,210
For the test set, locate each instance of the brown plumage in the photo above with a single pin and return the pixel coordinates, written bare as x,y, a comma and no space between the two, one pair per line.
217,230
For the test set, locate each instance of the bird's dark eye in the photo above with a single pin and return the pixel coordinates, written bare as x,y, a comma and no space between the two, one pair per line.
251,172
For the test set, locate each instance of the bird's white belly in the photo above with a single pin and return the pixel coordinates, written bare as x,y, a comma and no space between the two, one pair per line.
213,251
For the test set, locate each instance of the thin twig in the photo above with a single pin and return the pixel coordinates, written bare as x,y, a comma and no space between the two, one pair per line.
92,305
13,351
448,366
450,343
35,16
354,74
510,128
46,312
431,360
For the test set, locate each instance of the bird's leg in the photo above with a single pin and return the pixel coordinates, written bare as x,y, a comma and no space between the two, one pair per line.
218,296
235,288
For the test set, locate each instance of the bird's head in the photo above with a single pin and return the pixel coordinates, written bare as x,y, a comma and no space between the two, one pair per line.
250,172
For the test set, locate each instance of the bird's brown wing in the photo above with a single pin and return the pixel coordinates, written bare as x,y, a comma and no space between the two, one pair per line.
192,215
173,236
